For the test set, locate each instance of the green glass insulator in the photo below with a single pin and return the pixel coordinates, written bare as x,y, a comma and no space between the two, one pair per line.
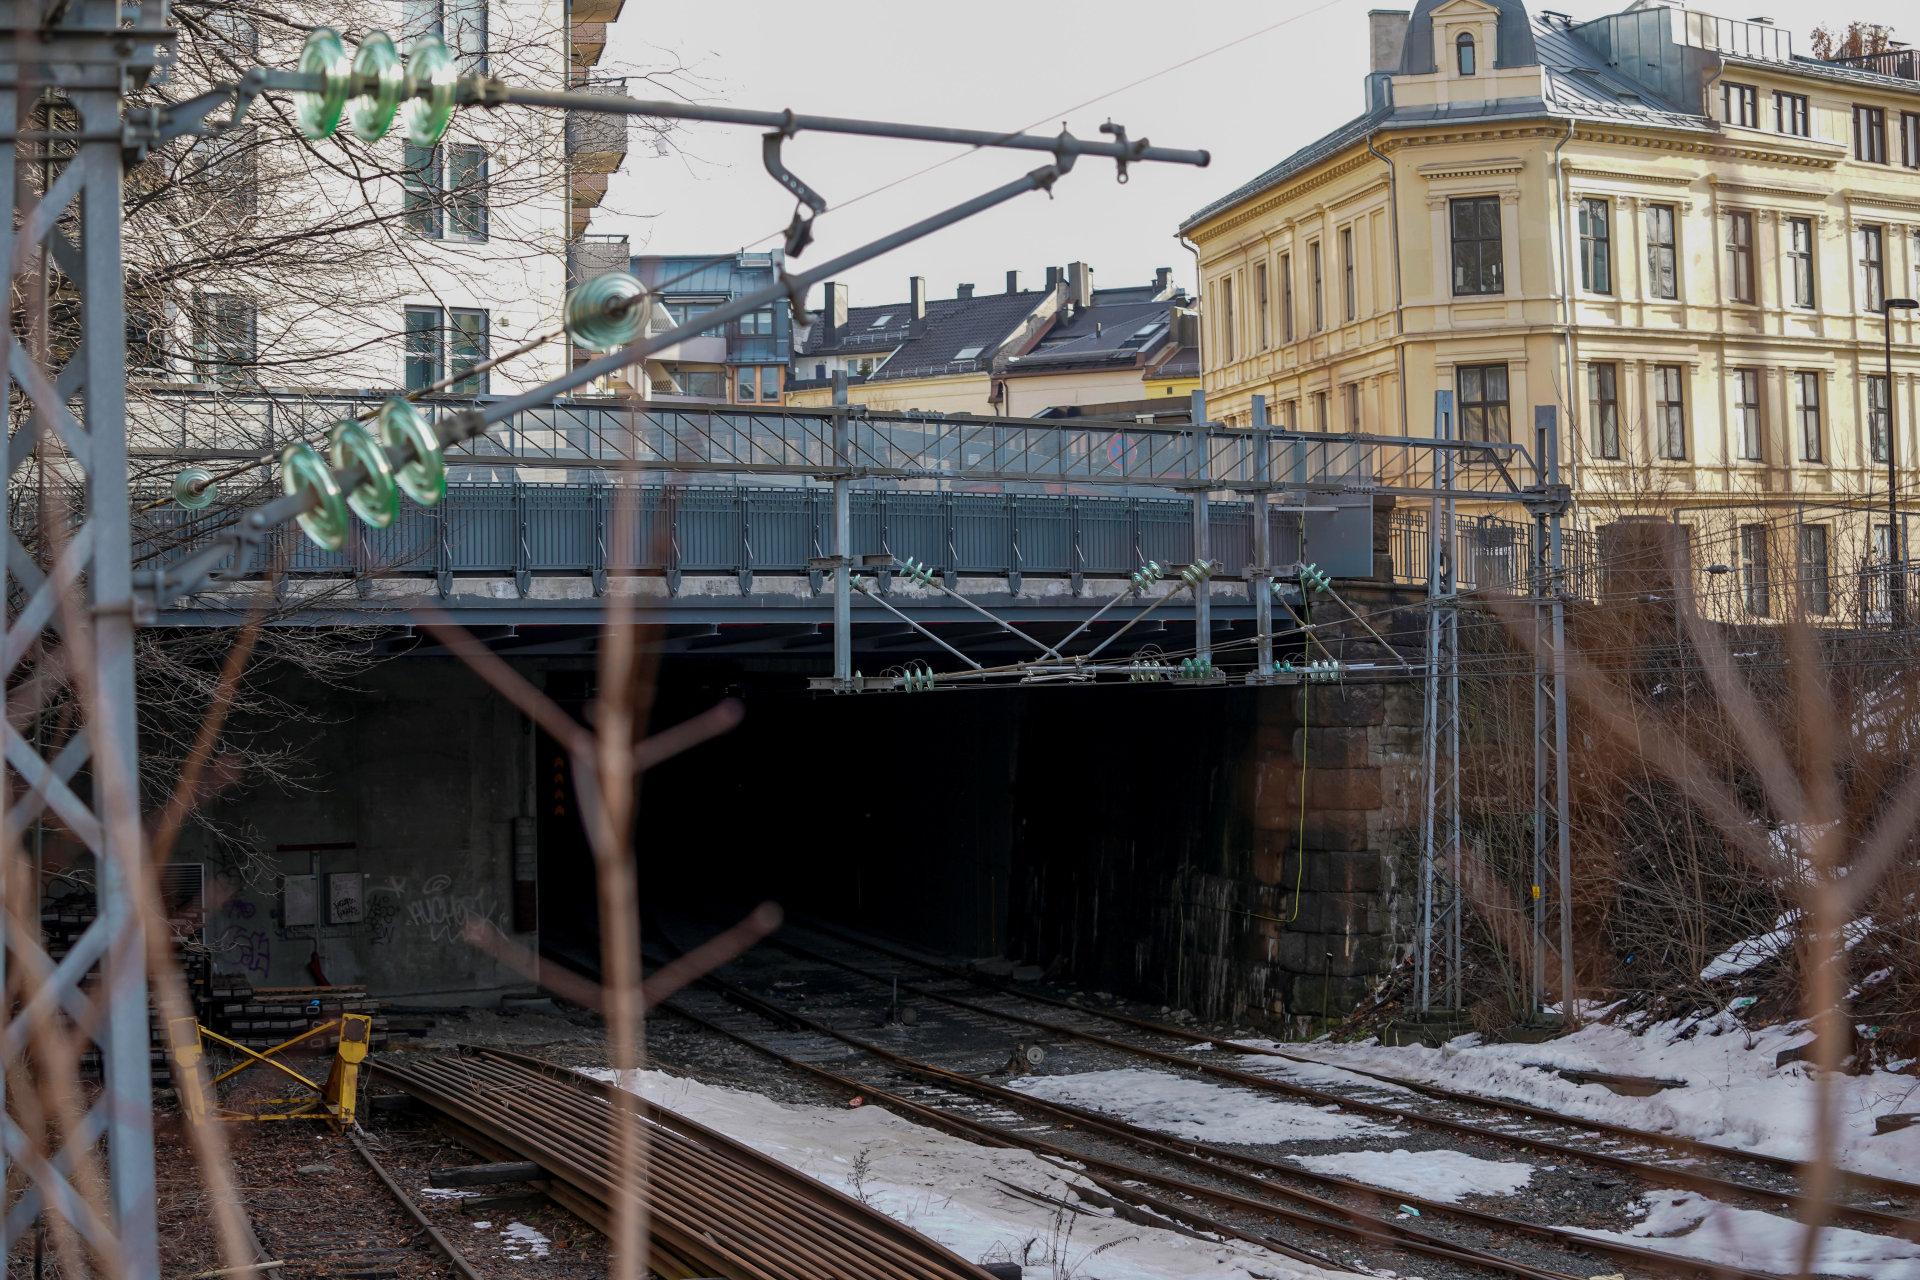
376,500
607,311
429,88
382,81
318,111
304,472
193,488
425,478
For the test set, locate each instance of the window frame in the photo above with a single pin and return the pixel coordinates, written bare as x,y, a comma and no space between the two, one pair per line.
1322,407
1473,395
1742,277
1604,409
222,358
1286,297
1227,322
1316,260
1792,114
1869,134
423,191
1755,596
1350,276
1910,139
1749,415
1801,264
429,356
1809,414
1744,97
468,215
467,382
1466,54
1488,270
1816,587
1657,244
1260,304
1596,246
1670,412
1873,265
1351,393
1879,415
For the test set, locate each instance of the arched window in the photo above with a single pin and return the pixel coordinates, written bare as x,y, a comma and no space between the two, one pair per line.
1463,48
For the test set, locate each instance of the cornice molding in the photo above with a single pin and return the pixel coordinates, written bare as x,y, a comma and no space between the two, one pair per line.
1472,168
1623,175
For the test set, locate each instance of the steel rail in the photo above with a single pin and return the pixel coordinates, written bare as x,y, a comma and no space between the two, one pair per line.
719,1206
1111,1176
1677,1144
1655,1175
439,1239
1217,1160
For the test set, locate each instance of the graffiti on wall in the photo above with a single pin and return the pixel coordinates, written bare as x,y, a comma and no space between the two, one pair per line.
437,907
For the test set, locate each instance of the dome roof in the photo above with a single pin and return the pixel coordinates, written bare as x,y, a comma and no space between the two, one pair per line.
1515,45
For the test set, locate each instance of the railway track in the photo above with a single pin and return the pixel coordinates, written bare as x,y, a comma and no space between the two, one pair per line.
714,1208
1517,1125
1325,1207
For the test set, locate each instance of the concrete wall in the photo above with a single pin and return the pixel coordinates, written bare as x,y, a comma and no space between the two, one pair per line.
417,776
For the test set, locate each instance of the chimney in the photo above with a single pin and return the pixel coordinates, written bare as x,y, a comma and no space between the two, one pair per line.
917,296
963,292
1080,284
1386,38
1013,282
1053,278
833,311
1162,281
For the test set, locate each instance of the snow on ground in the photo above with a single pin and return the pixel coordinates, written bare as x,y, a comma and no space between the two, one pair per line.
958,1192
1686,1223
524,1241
1448,1176
1734,1094
1189,1107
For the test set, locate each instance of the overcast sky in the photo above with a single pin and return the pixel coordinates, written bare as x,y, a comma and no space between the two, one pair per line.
1291,72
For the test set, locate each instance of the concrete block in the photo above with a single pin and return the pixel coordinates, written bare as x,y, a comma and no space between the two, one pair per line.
1312,993
1346,870
1336,748
1361,704
1341,913
1343,788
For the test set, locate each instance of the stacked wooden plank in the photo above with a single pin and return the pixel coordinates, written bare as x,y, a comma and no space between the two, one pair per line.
261,1017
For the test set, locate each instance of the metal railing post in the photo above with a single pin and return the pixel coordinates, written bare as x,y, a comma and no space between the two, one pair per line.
1202,541
1260,573
842,536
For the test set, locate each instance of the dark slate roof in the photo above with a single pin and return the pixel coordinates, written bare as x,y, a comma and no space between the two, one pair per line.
953,325
1516,37
1580,86
1106,333
1184,363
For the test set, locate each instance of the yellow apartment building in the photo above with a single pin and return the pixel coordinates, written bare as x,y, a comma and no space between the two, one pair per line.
1666,223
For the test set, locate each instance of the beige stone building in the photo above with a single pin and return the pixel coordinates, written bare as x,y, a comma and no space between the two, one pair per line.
1668,224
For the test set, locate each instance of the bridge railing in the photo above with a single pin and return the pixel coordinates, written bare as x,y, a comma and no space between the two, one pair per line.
525,531
1491,554
581,437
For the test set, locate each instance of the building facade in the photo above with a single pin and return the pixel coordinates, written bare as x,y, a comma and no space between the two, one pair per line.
743,362
1667,224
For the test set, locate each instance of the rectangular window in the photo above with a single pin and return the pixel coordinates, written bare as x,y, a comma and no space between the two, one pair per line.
1753,569
1484,411
467,195
1870,135
1746,414
1873,267
1286,297
422,191
1260,304
232,173
1910,139
1806,387
1596,246
1352,394
226,338
1603,408
1816,589
467,348
148,334
1742,105
1740,282
1320,410
760,324
743,388
1879,415
1226,314
465,24
769,382
1800,260
426,361
1670,411
1351,281
1790,114
1663,258
1477,266
1319,298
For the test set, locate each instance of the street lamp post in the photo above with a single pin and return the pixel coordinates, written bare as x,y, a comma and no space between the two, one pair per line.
1896,577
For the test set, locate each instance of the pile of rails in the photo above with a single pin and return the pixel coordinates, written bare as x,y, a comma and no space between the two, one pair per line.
261,1017
715,1208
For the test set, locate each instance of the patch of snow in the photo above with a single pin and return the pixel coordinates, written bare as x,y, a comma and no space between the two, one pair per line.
1749,954
1734,1095
1188,1107
524,1241
1691,1226
483,1225
1448,1176
447,1193
958,1192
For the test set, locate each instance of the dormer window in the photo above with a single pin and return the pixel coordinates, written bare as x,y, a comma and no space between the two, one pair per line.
1463,52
